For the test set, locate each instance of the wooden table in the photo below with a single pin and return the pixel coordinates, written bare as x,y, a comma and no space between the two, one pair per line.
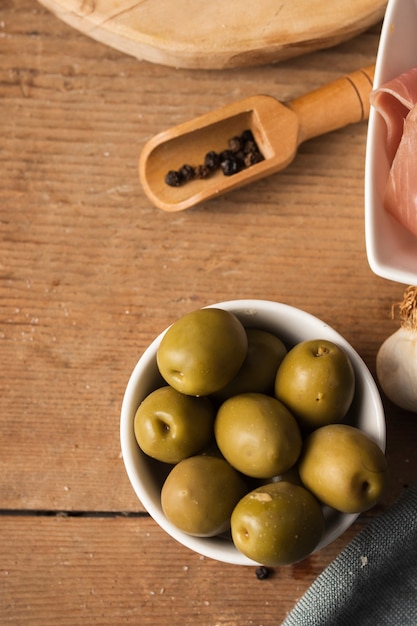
90,273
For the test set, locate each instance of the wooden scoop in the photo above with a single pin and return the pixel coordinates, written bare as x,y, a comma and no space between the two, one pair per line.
278,130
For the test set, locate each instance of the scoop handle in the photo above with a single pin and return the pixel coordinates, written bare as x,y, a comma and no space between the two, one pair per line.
341,102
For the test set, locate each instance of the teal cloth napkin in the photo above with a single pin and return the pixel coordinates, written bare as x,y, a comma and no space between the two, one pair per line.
373,581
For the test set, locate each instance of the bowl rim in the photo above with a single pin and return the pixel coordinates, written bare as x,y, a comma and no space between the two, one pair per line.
217,547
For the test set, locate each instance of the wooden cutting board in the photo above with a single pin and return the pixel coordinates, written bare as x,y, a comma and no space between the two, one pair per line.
215,34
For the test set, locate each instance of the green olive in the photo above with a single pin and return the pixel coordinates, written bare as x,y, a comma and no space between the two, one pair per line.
170,426
257,374
316,381
277,524
257,435
200,493
202,351
344,468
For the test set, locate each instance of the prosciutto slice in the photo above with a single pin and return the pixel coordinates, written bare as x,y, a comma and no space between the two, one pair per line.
396,101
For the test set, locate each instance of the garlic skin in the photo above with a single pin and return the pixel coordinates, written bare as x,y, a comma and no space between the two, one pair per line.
396,368
396,360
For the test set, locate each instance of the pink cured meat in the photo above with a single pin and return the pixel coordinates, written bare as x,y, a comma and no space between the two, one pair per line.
396,101
400,197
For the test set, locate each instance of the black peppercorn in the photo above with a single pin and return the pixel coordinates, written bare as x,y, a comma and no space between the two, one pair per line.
246,136
262,572
187,172
226,154
212,160
235,144
249,146
201,171
173,178
231,165
251,158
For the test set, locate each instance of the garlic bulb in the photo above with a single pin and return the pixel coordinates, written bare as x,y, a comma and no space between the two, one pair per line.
396,361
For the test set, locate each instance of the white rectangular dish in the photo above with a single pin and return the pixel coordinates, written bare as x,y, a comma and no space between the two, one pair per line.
391,249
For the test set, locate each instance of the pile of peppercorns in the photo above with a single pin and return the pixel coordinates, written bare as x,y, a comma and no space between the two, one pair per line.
242,152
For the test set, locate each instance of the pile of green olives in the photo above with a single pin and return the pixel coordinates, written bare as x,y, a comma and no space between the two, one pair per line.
247,428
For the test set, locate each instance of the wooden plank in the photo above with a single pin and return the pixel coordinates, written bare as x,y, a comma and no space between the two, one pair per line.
68,571
90,273
228,37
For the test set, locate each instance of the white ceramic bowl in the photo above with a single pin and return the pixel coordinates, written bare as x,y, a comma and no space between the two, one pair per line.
292,326
391,249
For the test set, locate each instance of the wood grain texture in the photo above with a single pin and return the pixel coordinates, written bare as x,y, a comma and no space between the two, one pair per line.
91,272
218,34
126,571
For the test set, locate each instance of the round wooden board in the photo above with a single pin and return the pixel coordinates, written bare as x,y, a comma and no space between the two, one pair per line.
218,34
